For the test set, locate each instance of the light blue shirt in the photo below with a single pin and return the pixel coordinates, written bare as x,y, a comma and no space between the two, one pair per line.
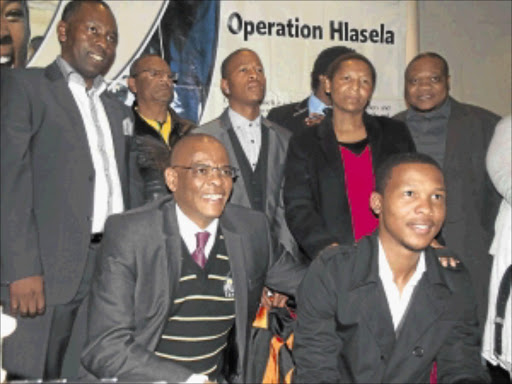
315,105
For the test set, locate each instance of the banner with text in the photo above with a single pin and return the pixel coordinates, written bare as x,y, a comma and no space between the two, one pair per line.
195,36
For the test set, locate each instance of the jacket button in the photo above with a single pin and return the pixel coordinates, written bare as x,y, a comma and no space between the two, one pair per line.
418,352
382,357
91,177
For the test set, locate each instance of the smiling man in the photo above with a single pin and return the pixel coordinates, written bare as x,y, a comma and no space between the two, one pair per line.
63,172
384,310
179,281
14,33
457,136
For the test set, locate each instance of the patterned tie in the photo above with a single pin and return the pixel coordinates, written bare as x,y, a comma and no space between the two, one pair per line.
198,255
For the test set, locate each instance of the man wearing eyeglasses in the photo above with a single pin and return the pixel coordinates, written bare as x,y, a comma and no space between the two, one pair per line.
180,279
157,126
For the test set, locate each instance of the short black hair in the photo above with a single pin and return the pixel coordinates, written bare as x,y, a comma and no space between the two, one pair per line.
432,55
74,5
323,60
225,62
135,63
383,173
336,64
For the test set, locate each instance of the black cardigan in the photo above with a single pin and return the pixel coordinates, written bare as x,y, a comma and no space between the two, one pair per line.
316,204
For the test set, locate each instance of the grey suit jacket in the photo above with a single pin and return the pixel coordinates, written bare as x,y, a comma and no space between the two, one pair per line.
345,332
277,147
47,178
137,278
472,200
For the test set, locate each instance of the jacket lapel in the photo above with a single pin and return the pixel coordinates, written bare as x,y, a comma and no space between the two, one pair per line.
67,102
236,254
172,248
367,293
240,189
275,160
329,145
115,119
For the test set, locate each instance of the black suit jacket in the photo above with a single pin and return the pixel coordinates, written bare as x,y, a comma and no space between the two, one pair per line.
47,178
345,332
152,152
291,116
316,203
138,276
472,201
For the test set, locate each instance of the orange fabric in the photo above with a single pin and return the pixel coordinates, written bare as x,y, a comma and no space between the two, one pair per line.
261,319
271,375
288,378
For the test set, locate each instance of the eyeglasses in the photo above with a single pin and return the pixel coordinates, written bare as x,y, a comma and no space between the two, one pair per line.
157,73
205,171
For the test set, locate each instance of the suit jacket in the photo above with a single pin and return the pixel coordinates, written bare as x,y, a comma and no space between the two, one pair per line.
277,147
153,152
291,116
472,202
137,279
345,332
47,178
316,203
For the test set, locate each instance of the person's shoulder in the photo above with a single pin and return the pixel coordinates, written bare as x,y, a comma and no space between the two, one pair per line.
474,110
282,110
281,131
241,213
139,217
212,127
402,116
389,122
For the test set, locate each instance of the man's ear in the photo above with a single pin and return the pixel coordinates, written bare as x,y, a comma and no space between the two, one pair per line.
376,203
327,84
171,178
62,31
131,85
224,86
448,82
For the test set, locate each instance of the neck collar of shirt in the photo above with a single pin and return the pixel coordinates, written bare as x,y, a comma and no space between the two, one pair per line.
386,274
154,123
237,120
443,112
72,76
188,228
315,105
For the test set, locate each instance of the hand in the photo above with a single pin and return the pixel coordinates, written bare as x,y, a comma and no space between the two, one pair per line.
314,119
271,299
27,296
444,260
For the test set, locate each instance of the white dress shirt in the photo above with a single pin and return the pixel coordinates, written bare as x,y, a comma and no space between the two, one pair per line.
106,183
398,303
188,230
249,135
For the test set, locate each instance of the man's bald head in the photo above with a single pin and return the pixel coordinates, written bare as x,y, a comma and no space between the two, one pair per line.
200,178
187,144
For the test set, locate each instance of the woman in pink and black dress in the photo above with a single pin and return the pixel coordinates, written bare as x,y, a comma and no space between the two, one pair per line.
329,173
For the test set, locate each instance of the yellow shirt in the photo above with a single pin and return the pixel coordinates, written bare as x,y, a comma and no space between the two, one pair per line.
163,129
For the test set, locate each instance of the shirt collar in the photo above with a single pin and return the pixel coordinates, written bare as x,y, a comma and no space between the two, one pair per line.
72,76
189,229
386,274
443,112
237,120
315,105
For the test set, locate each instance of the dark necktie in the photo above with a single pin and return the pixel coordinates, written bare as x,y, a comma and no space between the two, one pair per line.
198,255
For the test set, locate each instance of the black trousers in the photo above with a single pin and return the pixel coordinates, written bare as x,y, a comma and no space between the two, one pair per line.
69,322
